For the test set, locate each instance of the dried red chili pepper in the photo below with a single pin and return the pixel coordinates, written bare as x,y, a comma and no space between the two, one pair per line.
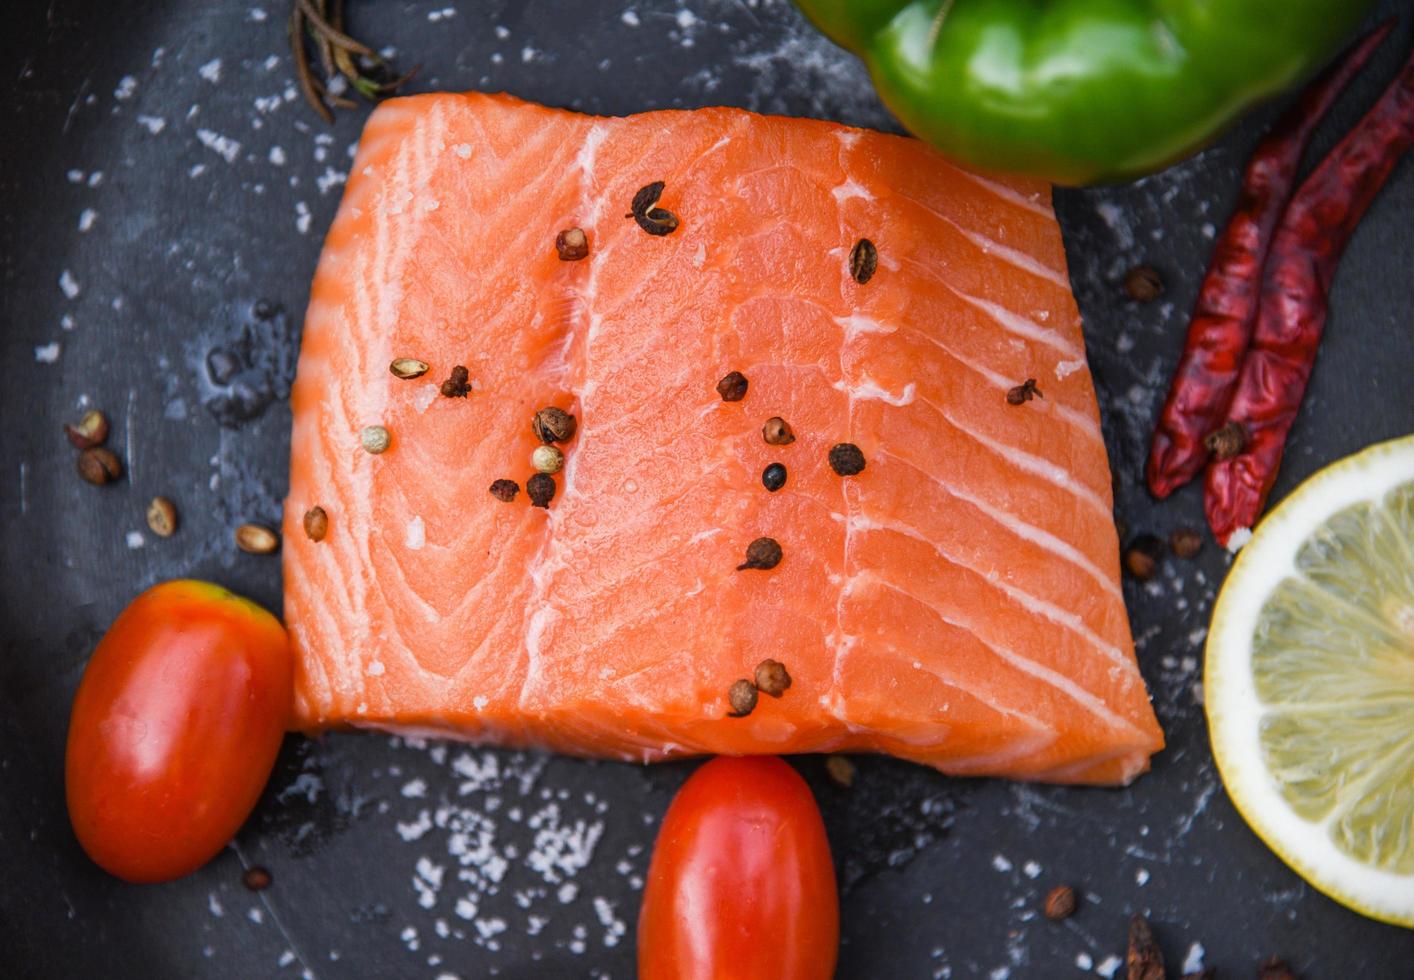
1303,260
1226,312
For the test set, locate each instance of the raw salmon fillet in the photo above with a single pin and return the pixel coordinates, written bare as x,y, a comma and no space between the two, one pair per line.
956,603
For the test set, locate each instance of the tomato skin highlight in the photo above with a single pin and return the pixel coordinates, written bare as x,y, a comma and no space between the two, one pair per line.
175,728
741,884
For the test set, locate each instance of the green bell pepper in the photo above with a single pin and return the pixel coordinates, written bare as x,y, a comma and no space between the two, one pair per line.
1080,91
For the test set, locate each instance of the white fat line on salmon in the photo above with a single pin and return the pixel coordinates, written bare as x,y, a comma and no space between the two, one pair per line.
1135,761
1016,258
1008,194
1028,601
489,580
649,610
850,189
430,615
871,576
1052,473
315,686
990,247
992,762
378,295
849,494
1017,324
868,389
579,305
416,534
1043,538
721,142
590,206
540,620
1059,681
856,324
348,556
342,556
334,607
1080,420
539,614
685,169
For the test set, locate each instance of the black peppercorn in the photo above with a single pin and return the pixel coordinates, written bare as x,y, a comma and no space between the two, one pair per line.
763,553
773,477
847,459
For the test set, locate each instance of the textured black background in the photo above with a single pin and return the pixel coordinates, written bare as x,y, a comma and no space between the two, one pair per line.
181,246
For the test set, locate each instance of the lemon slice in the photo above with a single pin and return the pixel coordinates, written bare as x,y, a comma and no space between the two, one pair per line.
1309,681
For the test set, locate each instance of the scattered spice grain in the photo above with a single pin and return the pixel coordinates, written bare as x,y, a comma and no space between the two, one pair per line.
505,490
1060,903
407,368
742,697
541,489
732,387
1023,393
772,678
162,517
457,384
255,539
316,523
572,244
99,466
847,459
777,432
863,261
763,554
553,425
91,430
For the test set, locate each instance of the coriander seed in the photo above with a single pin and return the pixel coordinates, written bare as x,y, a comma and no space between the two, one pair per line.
547,459
99,466
316,523
91,430
162,517
375,439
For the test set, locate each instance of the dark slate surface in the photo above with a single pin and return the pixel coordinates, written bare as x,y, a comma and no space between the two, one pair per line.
170,201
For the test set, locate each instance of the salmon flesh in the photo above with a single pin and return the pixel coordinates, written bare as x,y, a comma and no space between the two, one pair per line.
956,602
